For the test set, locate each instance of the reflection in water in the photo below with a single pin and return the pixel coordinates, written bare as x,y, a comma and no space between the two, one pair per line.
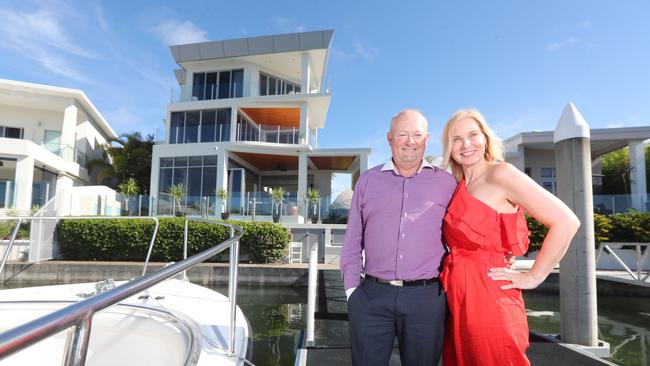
276,318
624,322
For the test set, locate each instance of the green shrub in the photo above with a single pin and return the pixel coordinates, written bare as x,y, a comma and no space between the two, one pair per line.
7,228
622,227
128,239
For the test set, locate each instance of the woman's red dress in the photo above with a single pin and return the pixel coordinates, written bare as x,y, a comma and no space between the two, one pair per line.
487,325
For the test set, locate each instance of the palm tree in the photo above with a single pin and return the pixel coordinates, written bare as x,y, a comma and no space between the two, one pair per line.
277,196
129,156
177,192
222,195
128,188
313,196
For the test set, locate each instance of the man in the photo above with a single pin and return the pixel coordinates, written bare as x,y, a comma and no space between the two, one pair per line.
395,219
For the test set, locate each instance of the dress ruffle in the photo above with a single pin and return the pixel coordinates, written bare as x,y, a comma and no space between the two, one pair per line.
514,233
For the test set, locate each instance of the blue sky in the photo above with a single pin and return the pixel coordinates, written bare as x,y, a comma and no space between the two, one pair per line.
519,62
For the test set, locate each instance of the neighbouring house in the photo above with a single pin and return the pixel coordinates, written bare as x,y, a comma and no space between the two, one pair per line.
534,153
246,120
47,134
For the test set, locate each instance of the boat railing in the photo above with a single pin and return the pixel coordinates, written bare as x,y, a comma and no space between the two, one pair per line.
79,315
641,256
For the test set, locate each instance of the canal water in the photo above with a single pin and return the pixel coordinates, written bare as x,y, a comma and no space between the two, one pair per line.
276,316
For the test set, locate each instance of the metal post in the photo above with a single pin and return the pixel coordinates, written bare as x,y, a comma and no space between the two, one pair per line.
311,291
185,246
254,206
140,205
232,289
76,344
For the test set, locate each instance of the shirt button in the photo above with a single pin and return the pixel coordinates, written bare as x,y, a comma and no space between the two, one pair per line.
405,214
400,256
402,235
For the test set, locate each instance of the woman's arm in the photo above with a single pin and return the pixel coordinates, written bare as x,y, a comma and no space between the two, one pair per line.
562,224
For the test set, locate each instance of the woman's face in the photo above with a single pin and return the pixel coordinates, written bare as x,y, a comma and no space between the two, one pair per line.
467,142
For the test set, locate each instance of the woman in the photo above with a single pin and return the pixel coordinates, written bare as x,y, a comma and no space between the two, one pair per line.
484,227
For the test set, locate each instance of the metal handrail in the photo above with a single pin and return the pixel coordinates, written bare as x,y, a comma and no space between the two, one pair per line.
149,250
79,315
640,258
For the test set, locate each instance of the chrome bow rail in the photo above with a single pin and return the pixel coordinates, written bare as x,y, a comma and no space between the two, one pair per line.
79,315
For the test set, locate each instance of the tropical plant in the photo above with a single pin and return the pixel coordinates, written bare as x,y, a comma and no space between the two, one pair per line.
128,156
177,191
128,188
222,195
277,196
313,196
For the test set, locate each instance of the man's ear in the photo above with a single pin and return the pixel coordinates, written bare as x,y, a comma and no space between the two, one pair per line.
388,137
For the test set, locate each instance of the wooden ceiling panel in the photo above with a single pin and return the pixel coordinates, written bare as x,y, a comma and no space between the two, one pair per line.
284,117
270,162
333,162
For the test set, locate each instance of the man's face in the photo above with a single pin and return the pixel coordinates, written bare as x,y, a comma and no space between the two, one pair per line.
408,139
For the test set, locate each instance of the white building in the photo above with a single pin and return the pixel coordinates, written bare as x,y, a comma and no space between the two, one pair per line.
46,136
534,153
246,120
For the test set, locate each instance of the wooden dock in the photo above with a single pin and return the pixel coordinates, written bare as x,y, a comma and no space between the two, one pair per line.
332,345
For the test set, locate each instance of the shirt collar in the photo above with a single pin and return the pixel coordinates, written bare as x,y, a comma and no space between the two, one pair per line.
389,165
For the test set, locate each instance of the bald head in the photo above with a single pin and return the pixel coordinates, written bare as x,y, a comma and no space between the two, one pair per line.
412,115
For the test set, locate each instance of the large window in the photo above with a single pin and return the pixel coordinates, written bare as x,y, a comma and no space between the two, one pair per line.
218,85
198,174
271,85
548,179
11,132
210,125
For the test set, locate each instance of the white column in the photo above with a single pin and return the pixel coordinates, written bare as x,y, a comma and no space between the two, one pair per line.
363,163
63,192
304,125
637,175
23,186
302,181
233,124
305,74
222,169
68,131
154,182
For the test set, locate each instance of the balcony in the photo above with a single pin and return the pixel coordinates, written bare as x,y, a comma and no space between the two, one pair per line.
267,133
67,152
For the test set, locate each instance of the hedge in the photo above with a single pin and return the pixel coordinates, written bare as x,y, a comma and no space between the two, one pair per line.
128,239
630,227
7,228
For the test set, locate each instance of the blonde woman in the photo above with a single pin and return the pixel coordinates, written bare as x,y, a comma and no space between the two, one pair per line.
484,227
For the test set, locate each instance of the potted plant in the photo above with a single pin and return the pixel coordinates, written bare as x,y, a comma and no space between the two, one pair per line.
177,192
222,195
313,196
127,189
277,196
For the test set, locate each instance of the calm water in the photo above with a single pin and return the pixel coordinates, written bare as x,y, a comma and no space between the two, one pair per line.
276,316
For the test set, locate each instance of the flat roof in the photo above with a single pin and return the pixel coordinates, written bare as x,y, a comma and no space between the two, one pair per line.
18,93
250,46
603,140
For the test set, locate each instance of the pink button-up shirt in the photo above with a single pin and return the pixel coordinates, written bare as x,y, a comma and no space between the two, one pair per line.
397,221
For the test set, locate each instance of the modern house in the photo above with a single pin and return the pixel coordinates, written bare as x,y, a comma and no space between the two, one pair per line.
47,134
534,153
246,120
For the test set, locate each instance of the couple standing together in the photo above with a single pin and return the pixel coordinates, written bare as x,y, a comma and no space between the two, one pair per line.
407,215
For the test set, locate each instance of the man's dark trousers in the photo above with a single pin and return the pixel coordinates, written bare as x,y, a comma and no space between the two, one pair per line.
378,312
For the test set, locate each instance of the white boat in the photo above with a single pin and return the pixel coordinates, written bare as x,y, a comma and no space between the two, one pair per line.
173,323
152,320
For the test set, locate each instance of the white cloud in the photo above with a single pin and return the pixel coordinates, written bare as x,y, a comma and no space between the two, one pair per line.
286,25
566,42
173,32
359,50
41,36
365,51
583,24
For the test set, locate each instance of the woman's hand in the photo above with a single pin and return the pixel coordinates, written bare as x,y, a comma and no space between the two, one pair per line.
520,280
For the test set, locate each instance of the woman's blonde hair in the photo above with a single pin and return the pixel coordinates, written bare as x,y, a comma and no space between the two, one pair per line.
493,145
